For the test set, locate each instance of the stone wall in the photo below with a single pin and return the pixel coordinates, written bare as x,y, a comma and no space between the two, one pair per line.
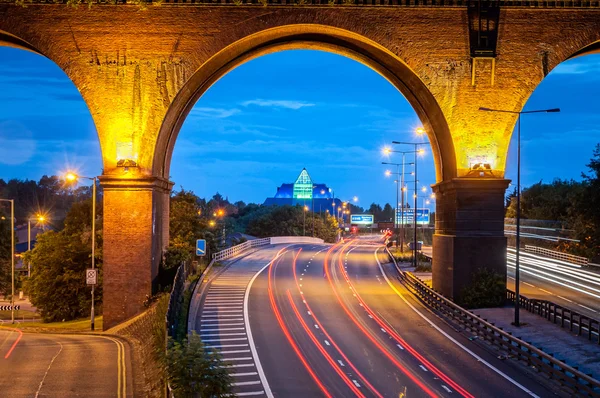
141,333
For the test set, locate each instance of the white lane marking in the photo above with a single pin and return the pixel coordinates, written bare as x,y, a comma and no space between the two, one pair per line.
399,346
223,322
259,368
449,391
37,393
233,352
228,339
225,345
545,291
383,330
316,326
528,284
222,334
436,327
219,316
309,313
216,330
245,383
423,368
240,365
239,359
244,374
566,299
587,308
327,342
249,393
356,383
340,362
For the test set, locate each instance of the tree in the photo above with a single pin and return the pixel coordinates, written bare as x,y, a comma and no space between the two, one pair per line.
58,262
293,221
387,213
585,212
5,251
193,370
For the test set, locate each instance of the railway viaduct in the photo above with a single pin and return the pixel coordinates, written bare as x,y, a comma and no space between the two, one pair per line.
141,68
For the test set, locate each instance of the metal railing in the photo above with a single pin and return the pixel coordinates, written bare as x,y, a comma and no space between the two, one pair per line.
575,380
557,255
583,325
237,249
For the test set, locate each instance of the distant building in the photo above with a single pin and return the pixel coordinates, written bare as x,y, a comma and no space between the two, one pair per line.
305,192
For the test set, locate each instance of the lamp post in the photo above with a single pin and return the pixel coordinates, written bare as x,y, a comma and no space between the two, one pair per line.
12,257
305,209
518,235
73,178
417,151
398,188
39,218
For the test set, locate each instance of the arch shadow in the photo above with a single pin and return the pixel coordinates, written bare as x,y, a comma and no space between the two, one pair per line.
313,37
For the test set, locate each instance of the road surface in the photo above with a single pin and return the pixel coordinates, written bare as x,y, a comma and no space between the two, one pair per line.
566,284
322,320
53,365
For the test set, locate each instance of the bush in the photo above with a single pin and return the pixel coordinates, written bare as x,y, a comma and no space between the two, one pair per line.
487,289
192,370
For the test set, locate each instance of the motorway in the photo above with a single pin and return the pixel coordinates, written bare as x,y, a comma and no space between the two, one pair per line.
322,320
563,283
53,365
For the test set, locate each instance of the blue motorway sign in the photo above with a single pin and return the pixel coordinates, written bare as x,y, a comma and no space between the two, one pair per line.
422,216
363,219
201,247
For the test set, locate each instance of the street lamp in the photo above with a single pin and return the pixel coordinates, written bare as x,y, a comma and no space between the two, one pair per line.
518,234
72,177
40,219
400,184
12,257
305,208
417,151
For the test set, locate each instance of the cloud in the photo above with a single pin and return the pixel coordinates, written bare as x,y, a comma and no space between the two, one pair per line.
579,66
210,113
295,105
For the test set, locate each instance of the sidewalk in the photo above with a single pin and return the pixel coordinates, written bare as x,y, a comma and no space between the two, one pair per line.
574,350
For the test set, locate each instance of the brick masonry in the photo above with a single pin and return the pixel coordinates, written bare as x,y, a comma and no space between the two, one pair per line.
140,71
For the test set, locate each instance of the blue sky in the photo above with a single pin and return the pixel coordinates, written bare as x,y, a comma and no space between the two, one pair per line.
263,122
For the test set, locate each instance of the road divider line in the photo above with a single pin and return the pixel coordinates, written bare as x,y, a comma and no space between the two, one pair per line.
436,327
37,393
259,368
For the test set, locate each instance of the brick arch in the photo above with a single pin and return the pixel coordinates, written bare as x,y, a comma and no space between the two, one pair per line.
316,37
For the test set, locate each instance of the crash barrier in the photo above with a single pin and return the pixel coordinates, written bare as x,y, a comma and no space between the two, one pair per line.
557,255
568,376
583,325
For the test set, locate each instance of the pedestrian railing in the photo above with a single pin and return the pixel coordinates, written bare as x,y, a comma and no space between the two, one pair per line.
557,255
568,376
583,325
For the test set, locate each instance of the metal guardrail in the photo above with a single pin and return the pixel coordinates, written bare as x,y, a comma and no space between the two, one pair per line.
237,249
575,380
557,255
557,314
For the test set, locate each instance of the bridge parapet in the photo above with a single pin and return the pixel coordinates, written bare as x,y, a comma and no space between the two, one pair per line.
327,3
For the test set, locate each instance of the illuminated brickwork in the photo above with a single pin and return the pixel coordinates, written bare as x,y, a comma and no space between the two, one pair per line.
140,72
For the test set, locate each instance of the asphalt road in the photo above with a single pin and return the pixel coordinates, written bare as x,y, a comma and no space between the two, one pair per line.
47,365
326,322
569,285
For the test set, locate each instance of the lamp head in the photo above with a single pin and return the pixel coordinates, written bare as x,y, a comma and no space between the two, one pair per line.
553,110
71,177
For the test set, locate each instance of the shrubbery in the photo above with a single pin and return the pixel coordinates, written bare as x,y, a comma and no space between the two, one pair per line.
487,289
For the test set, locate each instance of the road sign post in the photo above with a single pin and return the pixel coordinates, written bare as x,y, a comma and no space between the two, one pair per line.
201,247
91,276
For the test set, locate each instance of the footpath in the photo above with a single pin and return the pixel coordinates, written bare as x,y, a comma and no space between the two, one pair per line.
575,351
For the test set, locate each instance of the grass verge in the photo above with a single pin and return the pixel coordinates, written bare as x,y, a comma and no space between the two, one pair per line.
76,326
